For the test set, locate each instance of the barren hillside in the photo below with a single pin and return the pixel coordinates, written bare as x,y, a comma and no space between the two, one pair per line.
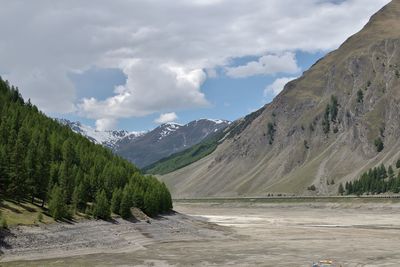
322,127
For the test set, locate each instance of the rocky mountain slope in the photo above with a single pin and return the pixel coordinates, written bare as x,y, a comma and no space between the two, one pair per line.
165,140
144,148
105,138
325,126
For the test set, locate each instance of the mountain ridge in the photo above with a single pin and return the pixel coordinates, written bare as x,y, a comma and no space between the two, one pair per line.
171,137
298,140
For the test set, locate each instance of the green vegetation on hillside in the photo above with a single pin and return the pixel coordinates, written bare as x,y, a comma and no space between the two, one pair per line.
41,160
330,114
379,144
375,181
187,156
202,149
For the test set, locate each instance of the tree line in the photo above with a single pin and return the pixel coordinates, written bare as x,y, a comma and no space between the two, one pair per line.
41,160
376,180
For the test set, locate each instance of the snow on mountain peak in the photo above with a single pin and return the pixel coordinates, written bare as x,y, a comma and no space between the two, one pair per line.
168,128
107,138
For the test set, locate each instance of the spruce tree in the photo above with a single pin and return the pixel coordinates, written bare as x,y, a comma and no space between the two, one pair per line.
18,173
102,207
57,207
78,198
150,203
341,189
390,172
126,204
116,201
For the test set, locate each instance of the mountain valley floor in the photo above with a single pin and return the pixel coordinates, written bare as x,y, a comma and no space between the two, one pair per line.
352,232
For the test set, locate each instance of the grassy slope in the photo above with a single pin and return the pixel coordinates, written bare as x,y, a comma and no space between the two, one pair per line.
185,157
23,213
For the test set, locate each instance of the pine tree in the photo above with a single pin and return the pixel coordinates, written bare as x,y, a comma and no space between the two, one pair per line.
18,173
151,203
78,198
390,172
126,204
325,121
102,207
116,201
3,171
341,189
57,207
333,108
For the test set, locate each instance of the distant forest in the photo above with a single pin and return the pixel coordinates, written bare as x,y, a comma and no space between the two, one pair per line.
375,181
42,161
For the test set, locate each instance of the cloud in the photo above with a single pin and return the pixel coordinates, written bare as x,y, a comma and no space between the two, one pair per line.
150,88
106,124
277,86
176,43
268,64
166,117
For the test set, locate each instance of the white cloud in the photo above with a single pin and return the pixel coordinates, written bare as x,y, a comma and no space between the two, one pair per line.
268,64
174,41
150,88
166,117
277,86
106,124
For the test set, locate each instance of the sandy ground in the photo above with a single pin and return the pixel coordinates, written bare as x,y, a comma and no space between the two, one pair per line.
221,234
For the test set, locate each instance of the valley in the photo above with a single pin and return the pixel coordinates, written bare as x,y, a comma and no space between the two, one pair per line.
307,168
353,232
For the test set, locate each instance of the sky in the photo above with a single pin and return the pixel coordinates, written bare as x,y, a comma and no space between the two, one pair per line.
135,64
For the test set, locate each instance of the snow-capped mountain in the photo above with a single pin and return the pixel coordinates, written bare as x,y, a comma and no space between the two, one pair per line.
144,148
105,138
167,139
168,128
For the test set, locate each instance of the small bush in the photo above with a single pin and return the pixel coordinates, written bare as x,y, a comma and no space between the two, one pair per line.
379,144
3,223
306,144
311,188
40,217
360,96
398,163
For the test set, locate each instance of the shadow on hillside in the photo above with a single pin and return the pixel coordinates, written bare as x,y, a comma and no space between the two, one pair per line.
23,204
27,208
4,233
12,209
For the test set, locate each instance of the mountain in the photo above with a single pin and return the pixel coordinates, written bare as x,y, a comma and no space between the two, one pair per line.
165,140
145,148
105,138
338,119
194,153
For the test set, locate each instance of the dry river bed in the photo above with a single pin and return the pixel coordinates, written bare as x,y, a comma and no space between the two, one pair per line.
215,233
